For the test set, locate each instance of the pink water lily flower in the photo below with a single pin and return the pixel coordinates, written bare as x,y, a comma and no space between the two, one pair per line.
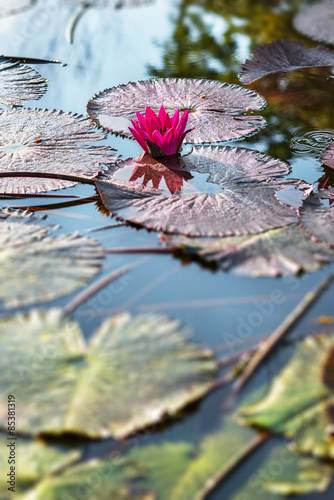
160,135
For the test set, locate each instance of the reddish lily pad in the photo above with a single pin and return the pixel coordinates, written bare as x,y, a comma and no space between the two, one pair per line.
39,140
246,203
19,83
327,156
216,110
317,216
284,55
279,252
316,21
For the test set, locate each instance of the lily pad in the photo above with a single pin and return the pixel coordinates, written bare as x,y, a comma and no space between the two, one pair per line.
216,110
285,473
316,21
317,216
40,265
19,83
246,203
118,4
184,471
299,402
327,156
282,56
36,460
9,7
39,140
170,471
134,370
278,252
103,479
195,468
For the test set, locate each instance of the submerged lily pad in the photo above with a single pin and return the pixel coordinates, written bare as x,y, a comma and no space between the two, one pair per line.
36,460
317,216
246,203
170,471
316,21
134,370
216,109
19,83
184,471
299,403
38,265
97,479
278,252
282,56
285,473
39,140
9,7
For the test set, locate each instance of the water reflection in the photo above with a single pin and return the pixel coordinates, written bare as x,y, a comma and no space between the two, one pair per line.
154,171
211,37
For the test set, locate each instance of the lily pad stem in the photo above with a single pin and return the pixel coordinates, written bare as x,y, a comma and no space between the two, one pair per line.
278,334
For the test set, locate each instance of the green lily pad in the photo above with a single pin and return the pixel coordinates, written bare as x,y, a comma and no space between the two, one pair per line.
283,251
41,265
285,473
133,372
299,403
96,479
170,471
193,468
35,460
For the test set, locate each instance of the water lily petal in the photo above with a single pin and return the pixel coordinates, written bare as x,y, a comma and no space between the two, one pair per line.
151,117
158,139
183,123
143,123
167,141
176,118
139,139
165,122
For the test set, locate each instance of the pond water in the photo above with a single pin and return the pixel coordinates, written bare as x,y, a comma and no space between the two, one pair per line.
193,39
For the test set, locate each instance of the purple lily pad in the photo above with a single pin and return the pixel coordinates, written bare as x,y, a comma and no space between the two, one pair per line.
327,156
216,109
282,56
279,252
316,21
247,202
317,216
38,264
19,83
39,140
